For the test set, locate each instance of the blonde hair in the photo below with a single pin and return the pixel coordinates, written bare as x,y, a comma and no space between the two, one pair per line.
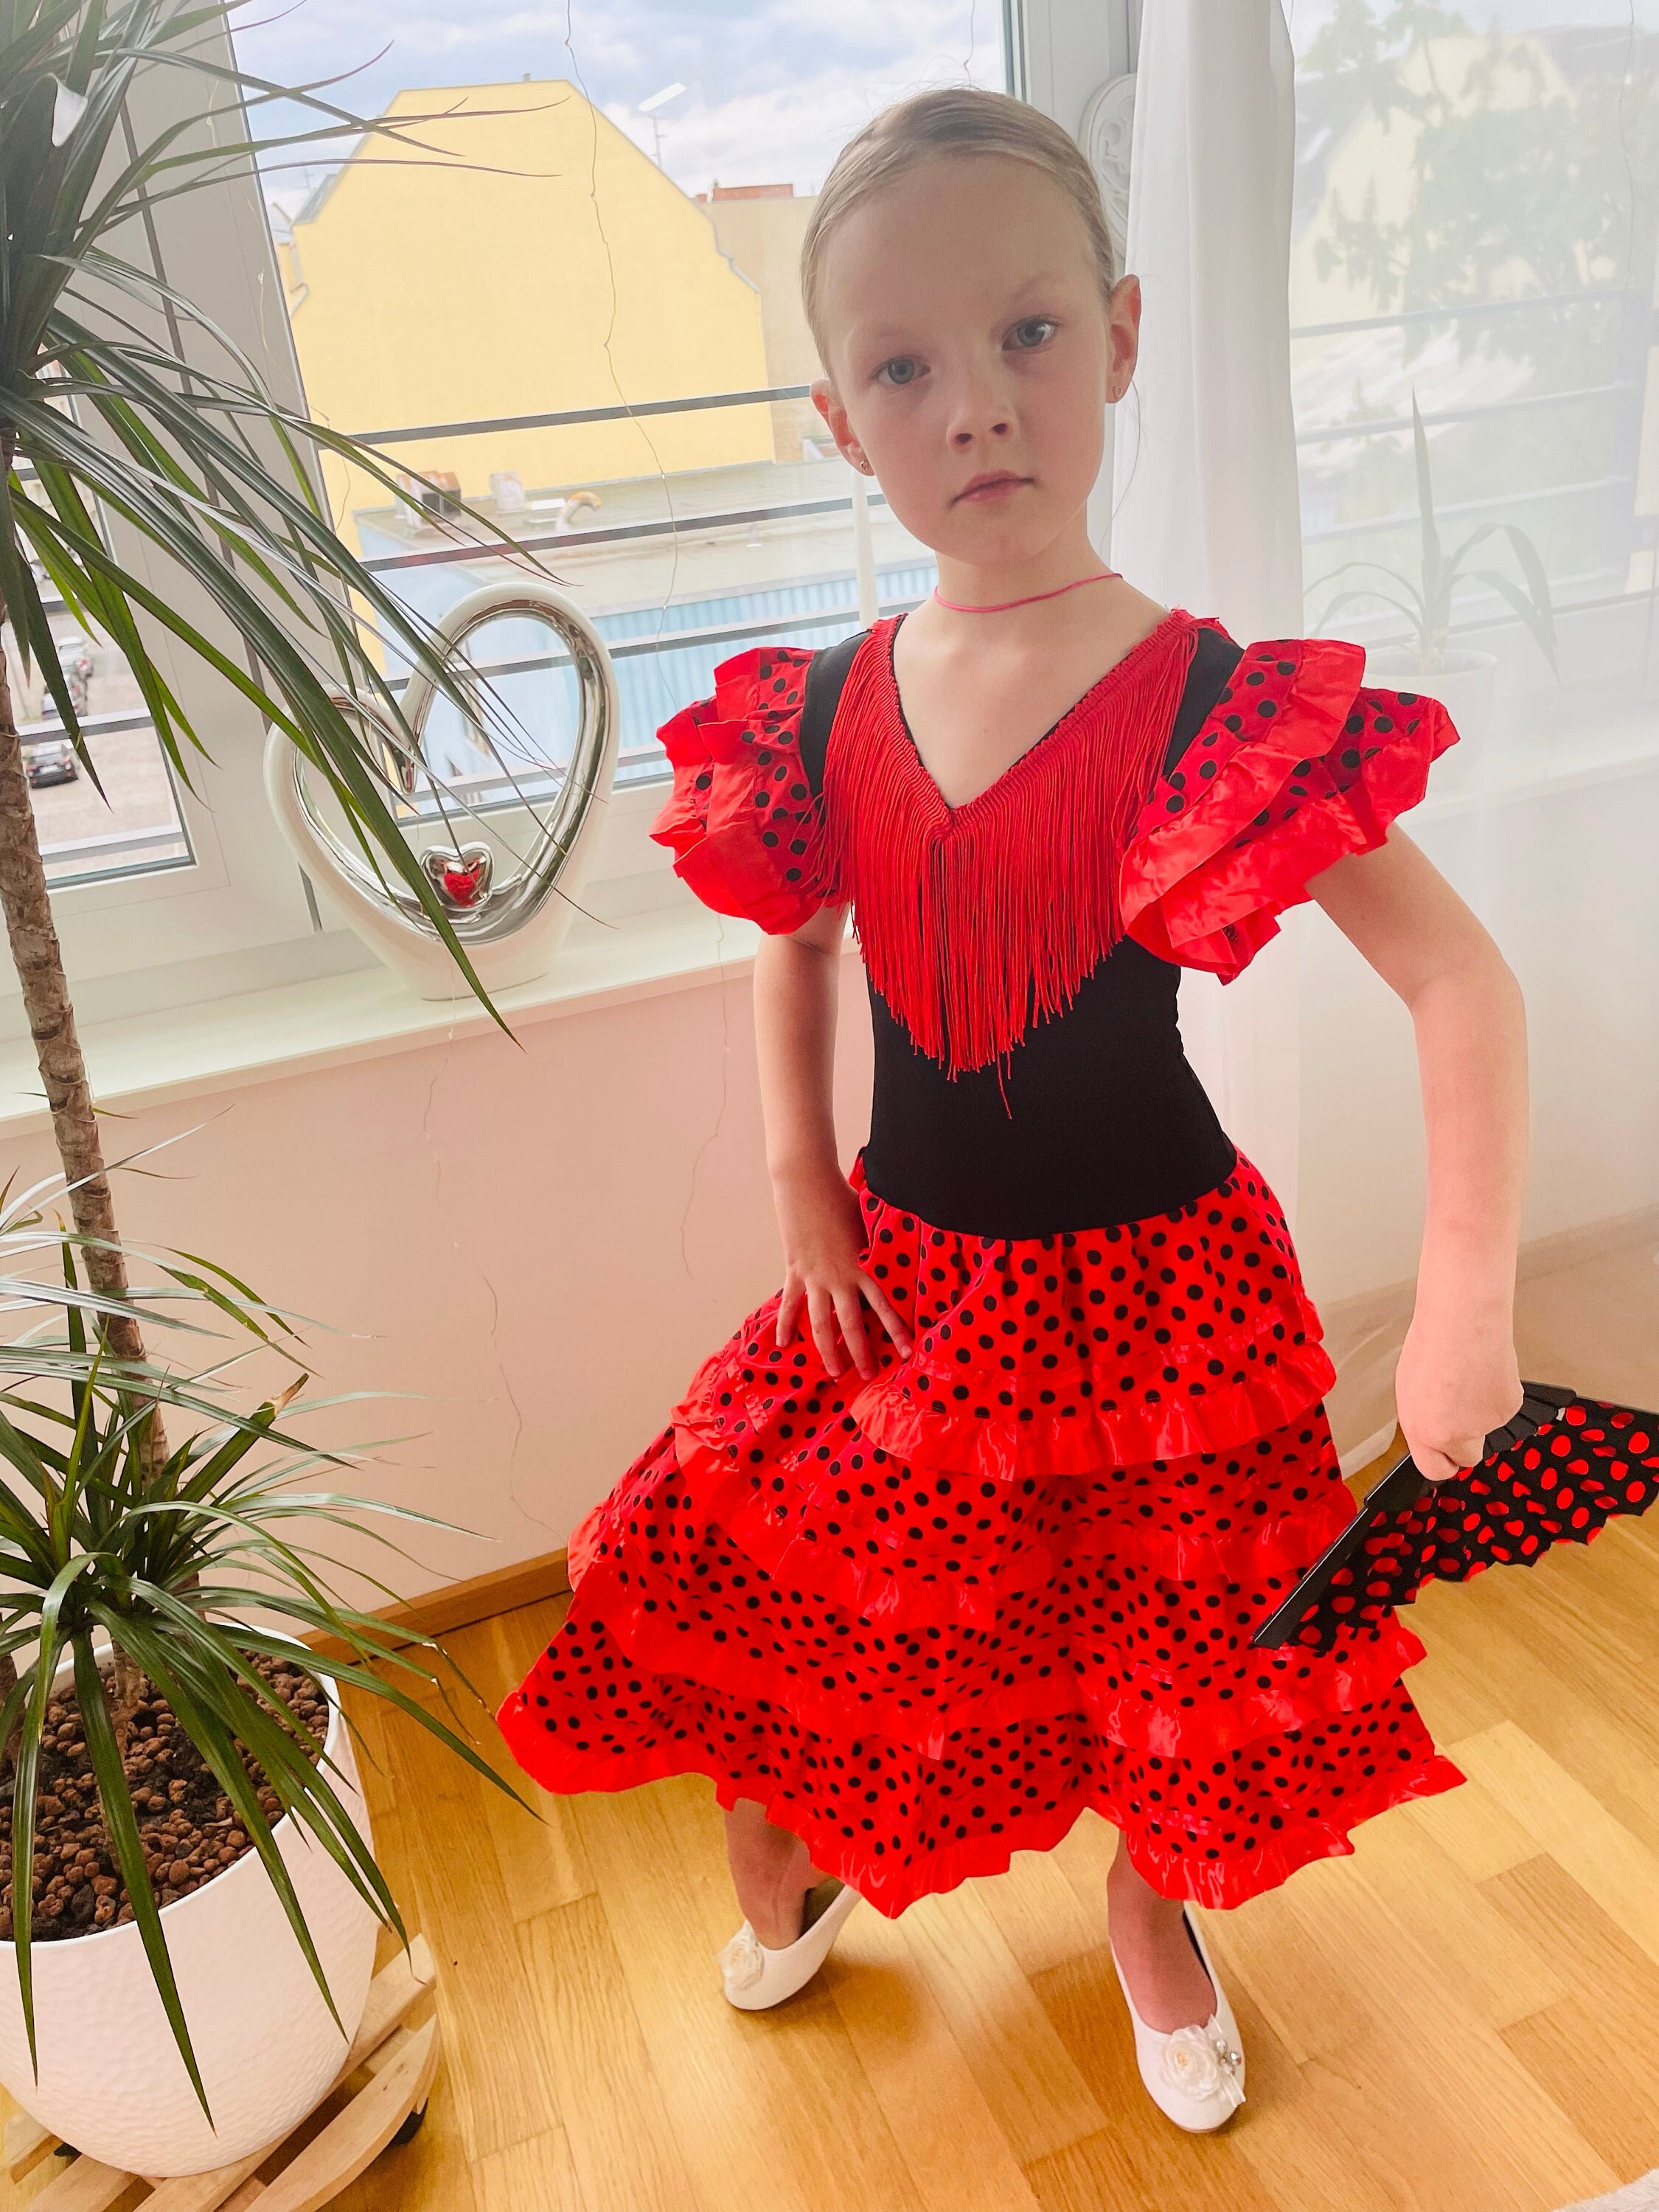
953,120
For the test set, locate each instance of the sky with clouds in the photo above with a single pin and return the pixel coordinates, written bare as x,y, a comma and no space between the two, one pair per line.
773,88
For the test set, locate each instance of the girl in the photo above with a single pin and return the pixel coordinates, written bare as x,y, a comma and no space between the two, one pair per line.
983,1543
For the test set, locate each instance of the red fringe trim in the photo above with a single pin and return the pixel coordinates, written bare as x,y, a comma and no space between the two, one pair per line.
937,890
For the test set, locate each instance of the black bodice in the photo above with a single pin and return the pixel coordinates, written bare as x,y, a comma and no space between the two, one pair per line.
1097,1118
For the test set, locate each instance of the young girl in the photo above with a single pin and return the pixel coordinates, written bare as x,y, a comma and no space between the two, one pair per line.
983,1542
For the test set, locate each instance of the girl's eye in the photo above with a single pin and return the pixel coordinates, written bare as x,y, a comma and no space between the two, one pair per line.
902,369
1032,332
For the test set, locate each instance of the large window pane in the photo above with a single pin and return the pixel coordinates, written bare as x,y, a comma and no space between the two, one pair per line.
1476,232
133,825
1475,235
591,227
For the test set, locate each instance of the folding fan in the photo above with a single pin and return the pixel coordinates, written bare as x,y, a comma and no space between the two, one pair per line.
1557,1472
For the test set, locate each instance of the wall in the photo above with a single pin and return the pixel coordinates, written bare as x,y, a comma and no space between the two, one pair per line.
541,1241
1560,868
1577,914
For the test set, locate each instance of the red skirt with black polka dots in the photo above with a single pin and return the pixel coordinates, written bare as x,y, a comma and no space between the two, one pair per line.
927,1618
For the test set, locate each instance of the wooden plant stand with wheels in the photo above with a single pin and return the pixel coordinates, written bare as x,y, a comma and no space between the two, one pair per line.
388,2074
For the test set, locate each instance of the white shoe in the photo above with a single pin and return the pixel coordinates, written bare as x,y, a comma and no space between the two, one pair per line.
755,1978
1194,2075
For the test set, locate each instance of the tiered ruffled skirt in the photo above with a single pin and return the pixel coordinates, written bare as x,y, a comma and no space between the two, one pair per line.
928,1618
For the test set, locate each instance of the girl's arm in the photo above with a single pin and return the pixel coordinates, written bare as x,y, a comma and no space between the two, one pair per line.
820,1220
1457,1377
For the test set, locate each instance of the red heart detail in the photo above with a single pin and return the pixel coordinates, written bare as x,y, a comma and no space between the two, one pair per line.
462,885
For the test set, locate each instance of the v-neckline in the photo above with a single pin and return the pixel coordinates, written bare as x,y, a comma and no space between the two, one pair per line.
997,785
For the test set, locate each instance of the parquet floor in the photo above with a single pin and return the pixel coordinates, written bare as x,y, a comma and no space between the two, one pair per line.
1462,2017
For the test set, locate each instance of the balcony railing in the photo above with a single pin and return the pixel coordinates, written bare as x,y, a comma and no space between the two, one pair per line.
571,417
621,533
866,591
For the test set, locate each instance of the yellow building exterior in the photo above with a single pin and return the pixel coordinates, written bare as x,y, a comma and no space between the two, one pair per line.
762,227
526,257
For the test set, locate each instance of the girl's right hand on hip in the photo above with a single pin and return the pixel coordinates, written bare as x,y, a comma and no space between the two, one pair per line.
822,1225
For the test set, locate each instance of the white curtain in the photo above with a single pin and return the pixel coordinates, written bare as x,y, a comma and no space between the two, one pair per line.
1204,511
1473,229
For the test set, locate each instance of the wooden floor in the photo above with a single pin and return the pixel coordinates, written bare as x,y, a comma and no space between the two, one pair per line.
1462,2017
1459,2017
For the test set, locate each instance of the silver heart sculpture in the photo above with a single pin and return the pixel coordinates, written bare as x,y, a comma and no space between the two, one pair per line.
509,922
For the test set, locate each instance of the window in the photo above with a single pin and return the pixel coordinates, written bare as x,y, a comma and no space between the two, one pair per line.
1476,230
1476,218
576,305
135,823
578,309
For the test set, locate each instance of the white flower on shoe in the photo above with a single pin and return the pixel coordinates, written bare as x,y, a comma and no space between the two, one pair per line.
741,1962
1200,2063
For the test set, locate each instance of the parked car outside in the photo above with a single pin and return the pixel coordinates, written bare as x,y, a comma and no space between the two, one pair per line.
75,658
50,760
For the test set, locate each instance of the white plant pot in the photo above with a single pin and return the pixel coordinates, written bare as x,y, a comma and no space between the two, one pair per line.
112,2081
1467,687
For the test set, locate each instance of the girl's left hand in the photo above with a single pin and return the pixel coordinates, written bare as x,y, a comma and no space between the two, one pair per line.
1452,1387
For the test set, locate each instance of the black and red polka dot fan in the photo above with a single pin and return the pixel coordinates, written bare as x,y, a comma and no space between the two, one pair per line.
1556,1474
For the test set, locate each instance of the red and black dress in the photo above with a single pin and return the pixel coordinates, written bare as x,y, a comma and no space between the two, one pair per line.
927,1618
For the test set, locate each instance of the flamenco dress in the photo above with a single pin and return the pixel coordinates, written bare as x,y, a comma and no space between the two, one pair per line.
929,1617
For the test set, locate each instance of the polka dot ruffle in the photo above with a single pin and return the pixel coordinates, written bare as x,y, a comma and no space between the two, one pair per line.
924,1662
1184,1334
897,1824
1297,766
740,817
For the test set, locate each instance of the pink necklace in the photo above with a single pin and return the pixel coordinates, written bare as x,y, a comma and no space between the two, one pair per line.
1001,607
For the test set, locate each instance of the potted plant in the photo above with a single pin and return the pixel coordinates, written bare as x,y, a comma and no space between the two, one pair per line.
185,1856
1462,677
124,1552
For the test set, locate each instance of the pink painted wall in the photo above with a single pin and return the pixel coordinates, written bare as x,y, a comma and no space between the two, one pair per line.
542,1241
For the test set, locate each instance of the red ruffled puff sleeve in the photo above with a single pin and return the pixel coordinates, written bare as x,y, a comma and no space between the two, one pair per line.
742,819
1296,766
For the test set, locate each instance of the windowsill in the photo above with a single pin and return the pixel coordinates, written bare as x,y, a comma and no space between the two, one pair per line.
258,1036
224,1043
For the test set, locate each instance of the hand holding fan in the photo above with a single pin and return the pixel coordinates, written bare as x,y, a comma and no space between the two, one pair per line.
1558,1472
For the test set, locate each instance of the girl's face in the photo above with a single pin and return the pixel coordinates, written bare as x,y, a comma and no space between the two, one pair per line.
973,355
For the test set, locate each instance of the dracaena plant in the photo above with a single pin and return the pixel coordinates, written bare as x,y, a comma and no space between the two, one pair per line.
121,404
120,400
1426,599
180,1569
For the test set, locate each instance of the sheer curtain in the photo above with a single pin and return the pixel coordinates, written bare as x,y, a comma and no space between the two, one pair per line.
1204,510
1474,227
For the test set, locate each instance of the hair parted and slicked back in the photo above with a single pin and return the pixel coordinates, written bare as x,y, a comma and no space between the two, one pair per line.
954,121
